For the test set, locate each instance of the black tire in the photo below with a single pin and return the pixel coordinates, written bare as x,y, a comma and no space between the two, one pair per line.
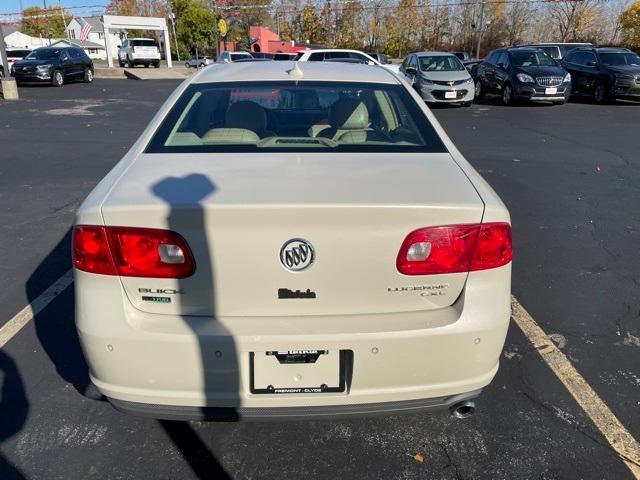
146,65
601,94
57,78
129,63
186,65
465,104
156,65
202,65
88,75
479,92
507,95
120,63
561,102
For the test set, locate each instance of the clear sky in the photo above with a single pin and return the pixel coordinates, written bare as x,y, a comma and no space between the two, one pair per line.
11,6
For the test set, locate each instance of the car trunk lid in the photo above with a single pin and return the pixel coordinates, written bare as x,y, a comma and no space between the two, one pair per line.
237,211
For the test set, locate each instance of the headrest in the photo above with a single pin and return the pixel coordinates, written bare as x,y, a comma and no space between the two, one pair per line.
349,113
248,115
229,135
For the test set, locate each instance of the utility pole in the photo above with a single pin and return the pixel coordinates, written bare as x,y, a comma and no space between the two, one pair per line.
480,23
44,2
64,20
9,87
172,16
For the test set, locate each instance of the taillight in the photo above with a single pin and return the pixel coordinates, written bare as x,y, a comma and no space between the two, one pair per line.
131,252
455,248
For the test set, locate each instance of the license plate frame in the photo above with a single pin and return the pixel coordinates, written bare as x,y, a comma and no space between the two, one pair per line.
451,95
551,91
303,389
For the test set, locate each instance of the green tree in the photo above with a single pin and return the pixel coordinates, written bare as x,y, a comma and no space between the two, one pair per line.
630,21
49,23
351,26
311,27
195,25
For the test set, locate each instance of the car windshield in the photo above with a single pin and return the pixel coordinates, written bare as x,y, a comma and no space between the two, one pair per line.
44,54
295,116
532,58
440,63
620,58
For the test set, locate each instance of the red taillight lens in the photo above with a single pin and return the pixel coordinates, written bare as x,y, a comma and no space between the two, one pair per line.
91,250
132,252
455,248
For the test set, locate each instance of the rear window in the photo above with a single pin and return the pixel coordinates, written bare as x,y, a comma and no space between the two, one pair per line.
18,53
295,116
143,43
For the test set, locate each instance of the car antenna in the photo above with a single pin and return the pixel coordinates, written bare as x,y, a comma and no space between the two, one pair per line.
296,71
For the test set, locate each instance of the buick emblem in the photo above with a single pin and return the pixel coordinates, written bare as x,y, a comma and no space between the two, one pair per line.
296,255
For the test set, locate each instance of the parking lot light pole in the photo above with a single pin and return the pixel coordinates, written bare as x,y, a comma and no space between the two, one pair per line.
9,85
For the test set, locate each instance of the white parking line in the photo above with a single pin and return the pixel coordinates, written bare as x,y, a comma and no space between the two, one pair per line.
618,437
24,316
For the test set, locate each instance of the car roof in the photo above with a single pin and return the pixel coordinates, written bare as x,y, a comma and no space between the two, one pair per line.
322,50
311,71
601,49
434,54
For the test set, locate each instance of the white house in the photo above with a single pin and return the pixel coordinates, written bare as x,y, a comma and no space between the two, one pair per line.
14,38
96,36
92,49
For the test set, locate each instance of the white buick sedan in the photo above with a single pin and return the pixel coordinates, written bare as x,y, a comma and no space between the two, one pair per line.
292,240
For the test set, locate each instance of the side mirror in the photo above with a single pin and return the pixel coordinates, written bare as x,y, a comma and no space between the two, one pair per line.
119,46
592,63
370,62
65,58
226,60
410,70
502,66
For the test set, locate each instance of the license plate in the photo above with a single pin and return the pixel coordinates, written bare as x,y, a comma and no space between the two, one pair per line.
550,91
450,95
297,372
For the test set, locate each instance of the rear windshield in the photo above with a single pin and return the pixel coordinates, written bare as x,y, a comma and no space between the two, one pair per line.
440,63
620,58
18,53
532,58
143,43
44,54
295,116
238,56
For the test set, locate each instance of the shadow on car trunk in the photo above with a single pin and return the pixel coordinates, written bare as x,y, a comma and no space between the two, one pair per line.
218,354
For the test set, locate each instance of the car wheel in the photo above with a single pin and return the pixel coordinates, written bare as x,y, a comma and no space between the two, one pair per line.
466,104
202,65
120,63
146,65
479,92
156,65
88,76
129,63
561,102
187,66
57,79
601,95
507,94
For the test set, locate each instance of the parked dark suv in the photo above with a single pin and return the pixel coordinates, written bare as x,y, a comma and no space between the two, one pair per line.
54,65
605,73
522,73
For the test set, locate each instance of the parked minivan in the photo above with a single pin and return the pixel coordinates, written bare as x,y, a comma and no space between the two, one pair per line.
558,51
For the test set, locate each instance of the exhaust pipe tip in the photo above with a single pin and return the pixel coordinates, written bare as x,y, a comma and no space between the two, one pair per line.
463,409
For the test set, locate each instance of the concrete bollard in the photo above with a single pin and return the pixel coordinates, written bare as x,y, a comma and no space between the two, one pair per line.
9,89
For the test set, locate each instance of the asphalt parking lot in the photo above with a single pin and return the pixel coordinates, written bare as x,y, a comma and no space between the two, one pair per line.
570,176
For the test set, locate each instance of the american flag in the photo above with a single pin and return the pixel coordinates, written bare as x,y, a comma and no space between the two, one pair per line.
86,29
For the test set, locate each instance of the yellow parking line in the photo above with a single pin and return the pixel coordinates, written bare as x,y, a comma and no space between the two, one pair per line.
616,434
24,316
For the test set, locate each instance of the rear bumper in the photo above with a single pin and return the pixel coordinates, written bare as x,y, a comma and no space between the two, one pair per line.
171,412
166,364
